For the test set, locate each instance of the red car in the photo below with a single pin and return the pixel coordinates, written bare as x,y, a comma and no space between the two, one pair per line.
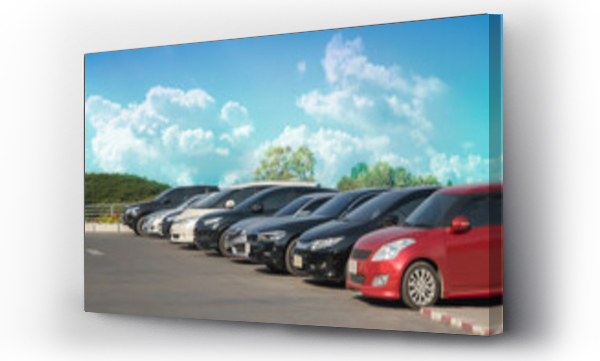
449,247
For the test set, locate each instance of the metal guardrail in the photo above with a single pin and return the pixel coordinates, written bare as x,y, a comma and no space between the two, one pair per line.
104,212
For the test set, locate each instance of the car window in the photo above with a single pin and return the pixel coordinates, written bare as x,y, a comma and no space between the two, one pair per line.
434,211
406,208
177,196
314,204
482,210
236,195
277,199
292,207
357,203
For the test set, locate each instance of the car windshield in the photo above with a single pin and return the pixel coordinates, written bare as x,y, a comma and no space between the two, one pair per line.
212,199
337,205
292,207
432,212
372,208
163,195
193,200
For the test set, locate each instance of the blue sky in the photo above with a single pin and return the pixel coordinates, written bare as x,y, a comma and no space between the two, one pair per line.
412,94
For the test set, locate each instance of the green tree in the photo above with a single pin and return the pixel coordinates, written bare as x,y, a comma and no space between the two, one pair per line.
119,188
281,163
347,184
382,174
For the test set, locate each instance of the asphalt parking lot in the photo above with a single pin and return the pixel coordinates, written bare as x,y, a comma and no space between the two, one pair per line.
125,274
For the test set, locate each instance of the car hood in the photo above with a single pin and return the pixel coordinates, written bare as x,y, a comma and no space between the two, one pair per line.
248,223
332,229
196,213
374,240
140,205
288,223
159,214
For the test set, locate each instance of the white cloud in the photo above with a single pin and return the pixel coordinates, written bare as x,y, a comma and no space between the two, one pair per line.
335,151
301,67
372,96
192,98
243,131
173,135
471,168
234,112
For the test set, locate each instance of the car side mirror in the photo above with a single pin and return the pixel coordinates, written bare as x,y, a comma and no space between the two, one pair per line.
390,220
460,225
257,208
230,204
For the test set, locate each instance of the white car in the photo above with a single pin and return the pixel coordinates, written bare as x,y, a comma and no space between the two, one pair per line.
153,223
182,229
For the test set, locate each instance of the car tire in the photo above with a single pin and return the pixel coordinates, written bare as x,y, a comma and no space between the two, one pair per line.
138,226
420,286
289,267
222,249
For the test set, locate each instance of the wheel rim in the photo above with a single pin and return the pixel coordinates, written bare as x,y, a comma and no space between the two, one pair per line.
421,286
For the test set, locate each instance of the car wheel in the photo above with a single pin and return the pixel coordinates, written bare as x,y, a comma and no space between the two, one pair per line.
289,258
223,249
138,226
420,286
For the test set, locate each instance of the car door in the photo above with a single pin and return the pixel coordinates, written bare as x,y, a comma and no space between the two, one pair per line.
474,265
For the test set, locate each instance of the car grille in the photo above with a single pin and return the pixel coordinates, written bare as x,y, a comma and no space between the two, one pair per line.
361,254
357,279
252,237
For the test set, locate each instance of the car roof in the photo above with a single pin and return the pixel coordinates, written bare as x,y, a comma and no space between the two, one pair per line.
318,195
275,183
367,190
473,188
412,189
197,186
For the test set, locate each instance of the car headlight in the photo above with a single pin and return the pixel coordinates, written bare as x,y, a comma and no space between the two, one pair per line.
391,250
212,222
170,218
134,211
272,235
325,243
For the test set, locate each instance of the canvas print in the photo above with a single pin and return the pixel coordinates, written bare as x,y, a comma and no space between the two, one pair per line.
344,178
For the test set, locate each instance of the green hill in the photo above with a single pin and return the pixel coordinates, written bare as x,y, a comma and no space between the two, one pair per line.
120,188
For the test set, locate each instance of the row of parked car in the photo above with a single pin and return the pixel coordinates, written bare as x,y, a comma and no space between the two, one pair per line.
417,245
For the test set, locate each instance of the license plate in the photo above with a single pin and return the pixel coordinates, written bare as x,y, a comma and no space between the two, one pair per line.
352,267
247,248
297,261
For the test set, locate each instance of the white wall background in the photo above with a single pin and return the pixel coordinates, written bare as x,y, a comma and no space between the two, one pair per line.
551,169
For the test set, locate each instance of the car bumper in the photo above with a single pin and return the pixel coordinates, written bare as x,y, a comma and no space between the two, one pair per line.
207,238
182,233
154,228
323,265
367,272
268,252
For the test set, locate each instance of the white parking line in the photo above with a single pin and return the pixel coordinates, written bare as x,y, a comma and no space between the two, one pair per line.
94,252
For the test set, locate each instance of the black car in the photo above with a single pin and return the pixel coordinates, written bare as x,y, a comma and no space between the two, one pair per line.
235,241
323,251
271,242
134,213
209,229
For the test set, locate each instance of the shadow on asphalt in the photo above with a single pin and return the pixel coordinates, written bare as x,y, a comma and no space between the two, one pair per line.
472,302
270,272
327,284
381,303
242,261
